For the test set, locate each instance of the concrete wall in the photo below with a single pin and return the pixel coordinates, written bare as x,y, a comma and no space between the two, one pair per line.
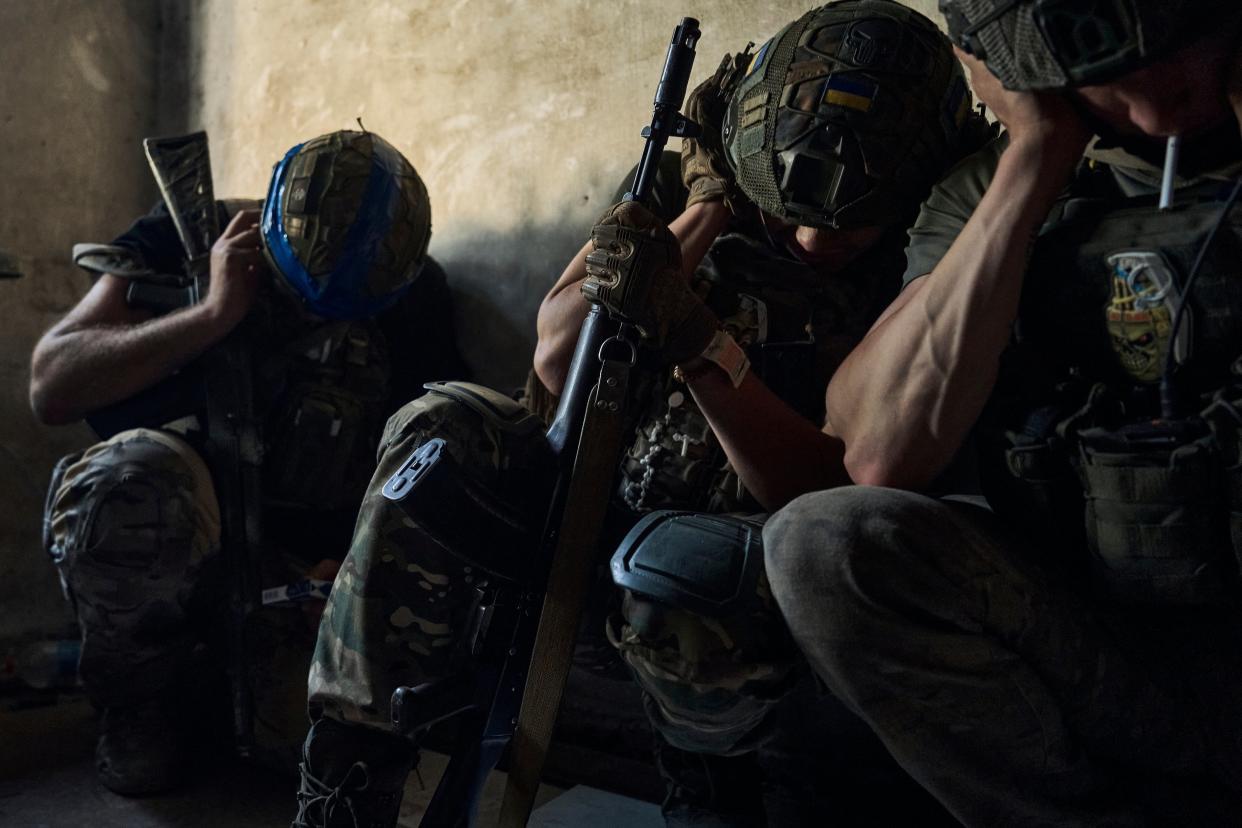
522,117
78,93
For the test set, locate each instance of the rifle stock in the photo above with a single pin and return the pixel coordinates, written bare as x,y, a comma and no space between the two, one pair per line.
595,397
524,630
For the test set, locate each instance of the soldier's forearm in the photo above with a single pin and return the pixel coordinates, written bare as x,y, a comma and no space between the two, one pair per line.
777,453
78,369
907,396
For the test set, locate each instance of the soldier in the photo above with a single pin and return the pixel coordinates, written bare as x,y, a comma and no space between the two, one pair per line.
1072,656
334,287
795,254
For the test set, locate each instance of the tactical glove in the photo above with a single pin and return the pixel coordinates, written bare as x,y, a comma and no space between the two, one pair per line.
704,168
634,270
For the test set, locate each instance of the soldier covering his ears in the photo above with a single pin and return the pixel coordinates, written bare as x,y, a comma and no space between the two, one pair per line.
344,311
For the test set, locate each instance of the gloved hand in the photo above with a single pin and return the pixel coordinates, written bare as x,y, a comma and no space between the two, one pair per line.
634,270
704,168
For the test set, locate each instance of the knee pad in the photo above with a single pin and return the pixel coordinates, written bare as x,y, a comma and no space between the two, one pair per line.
479,476
135,514
700,631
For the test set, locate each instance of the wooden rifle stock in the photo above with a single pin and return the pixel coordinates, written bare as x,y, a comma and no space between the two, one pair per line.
587,433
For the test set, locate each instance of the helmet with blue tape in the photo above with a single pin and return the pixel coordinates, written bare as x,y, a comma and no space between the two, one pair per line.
346,224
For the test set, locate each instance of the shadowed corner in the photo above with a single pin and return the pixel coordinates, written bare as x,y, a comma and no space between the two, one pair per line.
9,269
498,280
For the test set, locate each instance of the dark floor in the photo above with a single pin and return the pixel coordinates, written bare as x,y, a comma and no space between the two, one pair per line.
47,774
47,778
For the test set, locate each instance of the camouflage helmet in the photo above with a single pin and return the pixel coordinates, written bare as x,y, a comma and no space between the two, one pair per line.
346,224
1048,44
848,115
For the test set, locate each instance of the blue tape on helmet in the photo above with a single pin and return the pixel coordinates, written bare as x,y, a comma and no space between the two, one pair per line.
344,292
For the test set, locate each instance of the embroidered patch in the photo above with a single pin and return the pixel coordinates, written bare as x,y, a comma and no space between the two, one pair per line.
851,93
1139,314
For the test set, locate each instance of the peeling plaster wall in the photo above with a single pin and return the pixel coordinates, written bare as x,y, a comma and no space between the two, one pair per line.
78,94
521,116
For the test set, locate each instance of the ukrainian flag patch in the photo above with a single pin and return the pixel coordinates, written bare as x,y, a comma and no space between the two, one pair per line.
758,60
851,93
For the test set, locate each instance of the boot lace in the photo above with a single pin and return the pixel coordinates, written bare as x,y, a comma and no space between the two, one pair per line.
318,803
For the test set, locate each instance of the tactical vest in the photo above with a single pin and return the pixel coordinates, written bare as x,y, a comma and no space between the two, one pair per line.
323,393
1072,446
796,325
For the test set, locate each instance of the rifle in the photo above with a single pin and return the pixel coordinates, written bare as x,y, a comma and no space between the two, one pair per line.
182,169
524,630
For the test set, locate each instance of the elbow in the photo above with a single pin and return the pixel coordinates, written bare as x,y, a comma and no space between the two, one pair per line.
46,408
884,469
550,367
47,398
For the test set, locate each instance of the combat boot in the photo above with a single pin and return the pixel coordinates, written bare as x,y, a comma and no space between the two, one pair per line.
705,791
140,751
352,776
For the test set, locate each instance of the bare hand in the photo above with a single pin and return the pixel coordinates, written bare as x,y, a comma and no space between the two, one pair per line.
237,270
1041,116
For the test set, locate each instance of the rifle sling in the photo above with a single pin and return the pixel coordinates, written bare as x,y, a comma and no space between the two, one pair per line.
569,582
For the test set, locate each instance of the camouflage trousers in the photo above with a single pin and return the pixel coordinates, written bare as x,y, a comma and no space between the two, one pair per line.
131,525
401,600
1010,695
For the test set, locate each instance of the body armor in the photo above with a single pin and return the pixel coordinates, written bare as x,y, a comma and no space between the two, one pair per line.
1077,415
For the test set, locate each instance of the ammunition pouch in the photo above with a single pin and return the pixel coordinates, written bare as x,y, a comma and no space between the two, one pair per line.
1224,417
1156,518
315,448
708,564
1038,489
479,487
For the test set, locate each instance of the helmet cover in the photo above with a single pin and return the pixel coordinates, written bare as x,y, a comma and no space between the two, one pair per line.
848,115
1051,44
346,224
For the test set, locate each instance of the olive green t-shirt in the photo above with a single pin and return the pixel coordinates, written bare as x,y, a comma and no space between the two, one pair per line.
953,200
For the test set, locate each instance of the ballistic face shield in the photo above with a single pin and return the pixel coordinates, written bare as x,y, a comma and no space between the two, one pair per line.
1051,44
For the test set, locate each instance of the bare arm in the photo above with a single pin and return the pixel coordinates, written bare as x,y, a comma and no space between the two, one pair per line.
906,398
563,309
777,453
103,351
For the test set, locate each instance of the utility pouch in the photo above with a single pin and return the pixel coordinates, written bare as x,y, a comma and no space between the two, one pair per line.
316,447
1156,516
1040,490
1224,417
